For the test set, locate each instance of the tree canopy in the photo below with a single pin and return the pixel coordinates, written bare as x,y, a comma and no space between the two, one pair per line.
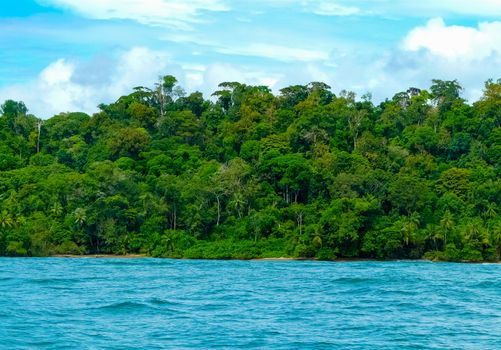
306,173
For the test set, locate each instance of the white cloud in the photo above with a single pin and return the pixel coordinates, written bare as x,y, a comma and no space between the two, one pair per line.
261,44
434,50
489,8
327,8
137,66
155,12
62,86
456,42
276,52
179,13
405,8
319,7
57,73
431,8
220,72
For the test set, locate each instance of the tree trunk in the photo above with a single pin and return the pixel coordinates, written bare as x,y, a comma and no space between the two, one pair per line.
39,126
218,210
175,218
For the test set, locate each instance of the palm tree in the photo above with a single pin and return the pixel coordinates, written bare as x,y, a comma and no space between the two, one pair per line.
413,220
19,220
148,201
237,202
473,232
406,233
495,238
409,227
6,220
490,210
446,224
163,208
80,216
432,233
57,209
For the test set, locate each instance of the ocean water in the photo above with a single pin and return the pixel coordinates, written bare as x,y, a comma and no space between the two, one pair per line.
93,303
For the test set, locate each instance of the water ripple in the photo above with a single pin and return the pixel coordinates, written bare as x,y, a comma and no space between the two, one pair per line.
158,304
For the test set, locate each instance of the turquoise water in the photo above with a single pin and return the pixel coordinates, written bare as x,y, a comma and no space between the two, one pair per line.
169,304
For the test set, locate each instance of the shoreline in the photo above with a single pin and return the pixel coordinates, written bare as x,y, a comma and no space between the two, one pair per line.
143,256
281,258
100,256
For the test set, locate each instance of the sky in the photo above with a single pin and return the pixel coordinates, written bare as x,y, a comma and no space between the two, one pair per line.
71,55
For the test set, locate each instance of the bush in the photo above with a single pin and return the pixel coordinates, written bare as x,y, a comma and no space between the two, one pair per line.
468,253
69,247
325,254
16,248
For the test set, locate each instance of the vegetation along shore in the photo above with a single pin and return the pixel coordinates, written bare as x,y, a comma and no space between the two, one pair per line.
303,173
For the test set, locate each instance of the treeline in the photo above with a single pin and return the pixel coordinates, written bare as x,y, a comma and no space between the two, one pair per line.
306,173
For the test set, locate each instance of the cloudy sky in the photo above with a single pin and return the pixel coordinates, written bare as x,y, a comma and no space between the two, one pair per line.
68,55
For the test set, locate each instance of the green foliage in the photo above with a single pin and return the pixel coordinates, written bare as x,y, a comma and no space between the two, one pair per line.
305,174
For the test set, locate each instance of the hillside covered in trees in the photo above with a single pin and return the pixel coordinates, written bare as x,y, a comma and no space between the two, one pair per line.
306,173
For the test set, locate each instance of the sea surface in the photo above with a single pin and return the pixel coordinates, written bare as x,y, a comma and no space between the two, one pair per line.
56,303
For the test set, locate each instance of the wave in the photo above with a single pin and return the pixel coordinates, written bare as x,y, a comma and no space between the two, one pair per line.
162,302
153,303
352,280
191,304
123,305
55,280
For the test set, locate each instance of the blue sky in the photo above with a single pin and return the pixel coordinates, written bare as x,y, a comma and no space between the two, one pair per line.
66,55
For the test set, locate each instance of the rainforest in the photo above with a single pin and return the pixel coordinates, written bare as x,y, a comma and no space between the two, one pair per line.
248,173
